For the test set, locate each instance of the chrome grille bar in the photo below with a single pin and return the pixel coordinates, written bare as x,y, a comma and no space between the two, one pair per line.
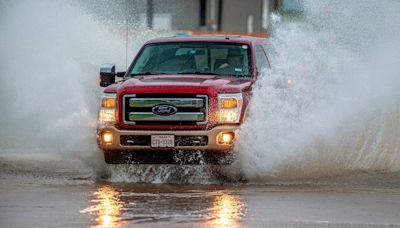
191,109
183,116
177,102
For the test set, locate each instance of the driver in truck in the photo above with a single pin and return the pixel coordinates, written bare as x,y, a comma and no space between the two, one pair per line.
233,63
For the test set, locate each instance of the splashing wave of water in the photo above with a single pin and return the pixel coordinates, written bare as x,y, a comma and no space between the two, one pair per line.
341,113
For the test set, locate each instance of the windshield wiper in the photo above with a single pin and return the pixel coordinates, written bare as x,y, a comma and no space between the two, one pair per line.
239,76
146,73
202,73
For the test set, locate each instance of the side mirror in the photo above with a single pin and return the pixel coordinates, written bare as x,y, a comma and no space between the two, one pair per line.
120,74
107,74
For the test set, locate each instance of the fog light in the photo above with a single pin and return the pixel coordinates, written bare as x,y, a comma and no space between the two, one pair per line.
107,137
226,138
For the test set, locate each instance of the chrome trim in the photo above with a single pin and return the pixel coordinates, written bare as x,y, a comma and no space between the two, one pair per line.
205,97
239,99
109,95
177,102
202,121
179,116
123,109
107,68
164,110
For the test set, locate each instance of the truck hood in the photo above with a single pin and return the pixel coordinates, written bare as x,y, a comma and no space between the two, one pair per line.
180,82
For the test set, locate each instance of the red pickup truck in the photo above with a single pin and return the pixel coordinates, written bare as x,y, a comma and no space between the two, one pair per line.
181,101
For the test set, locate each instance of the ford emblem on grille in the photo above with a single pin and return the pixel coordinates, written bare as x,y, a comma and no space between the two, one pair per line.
164,110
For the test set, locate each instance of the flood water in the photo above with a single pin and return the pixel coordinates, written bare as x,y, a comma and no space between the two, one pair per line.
324,151
27,203
57,195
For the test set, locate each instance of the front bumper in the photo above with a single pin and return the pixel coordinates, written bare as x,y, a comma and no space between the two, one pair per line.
211,146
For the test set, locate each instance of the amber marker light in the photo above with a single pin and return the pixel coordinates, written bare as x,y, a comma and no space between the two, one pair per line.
108,102
228,103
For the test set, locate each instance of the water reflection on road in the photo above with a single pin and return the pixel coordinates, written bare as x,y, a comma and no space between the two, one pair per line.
106,206
113,206
103,204
228,209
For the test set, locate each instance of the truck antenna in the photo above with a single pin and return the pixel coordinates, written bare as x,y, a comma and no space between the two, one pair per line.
126,38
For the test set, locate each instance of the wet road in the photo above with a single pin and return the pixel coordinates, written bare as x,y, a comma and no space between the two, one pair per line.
25,202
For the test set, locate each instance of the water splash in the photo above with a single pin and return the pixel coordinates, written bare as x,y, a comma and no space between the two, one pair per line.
341,113
50,54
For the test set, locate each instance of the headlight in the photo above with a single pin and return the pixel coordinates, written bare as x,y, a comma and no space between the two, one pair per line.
230,107
108,109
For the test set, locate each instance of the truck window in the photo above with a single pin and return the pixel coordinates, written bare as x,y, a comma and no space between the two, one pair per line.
200,56
261,59
225,59
271,52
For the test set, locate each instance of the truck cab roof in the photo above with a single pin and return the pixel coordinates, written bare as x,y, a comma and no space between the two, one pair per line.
211,38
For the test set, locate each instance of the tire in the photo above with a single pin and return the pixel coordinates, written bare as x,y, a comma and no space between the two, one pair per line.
226,158
147,157
113,157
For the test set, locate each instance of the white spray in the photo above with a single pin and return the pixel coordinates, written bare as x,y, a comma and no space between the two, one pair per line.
342,112
50,54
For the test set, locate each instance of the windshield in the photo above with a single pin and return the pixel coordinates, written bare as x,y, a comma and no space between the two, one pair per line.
215,58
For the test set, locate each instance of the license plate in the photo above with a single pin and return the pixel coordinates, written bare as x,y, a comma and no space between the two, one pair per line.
162,141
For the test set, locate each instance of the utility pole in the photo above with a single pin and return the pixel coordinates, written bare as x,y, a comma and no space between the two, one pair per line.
277,5
150,13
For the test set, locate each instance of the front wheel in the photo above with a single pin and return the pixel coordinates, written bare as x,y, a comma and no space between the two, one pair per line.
113,157
173,157
225,158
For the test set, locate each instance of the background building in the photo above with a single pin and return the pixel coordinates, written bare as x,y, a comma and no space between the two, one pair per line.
239,16
250,16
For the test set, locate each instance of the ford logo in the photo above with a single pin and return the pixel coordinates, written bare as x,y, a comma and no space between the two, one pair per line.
164,110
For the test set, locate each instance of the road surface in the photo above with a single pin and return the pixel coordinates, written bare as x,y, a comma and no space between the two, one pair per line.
46,197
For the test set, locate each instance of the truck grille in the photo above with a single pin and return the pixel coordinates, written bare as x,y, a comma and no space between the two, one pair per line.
185,109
